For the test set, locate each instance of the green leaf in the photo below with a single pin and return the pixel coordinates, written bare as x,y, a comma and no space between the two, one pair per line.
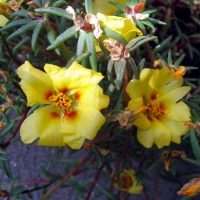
91,48
35,35
48,174
192,161
23,41
157,163
148,23
106,192
169,58
22,30
134,41
196,20
110,33
162,45
194,144
80,44
186,82
59,3
3,152
89,7
77,186
155,21
179,60
141,26
6,168
20,13
119,6
54,11
119,70
142,42
62,37
149,11
82,57
7,128
51,37
141,64
18,22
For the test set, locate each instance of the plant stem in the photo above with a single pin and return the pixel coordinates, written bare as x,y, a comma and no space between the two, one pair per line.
66,177
94,182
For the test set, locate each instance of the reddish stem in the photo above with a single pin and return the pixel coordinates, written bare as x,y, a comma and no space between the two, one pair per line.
15,131
94,182
145,194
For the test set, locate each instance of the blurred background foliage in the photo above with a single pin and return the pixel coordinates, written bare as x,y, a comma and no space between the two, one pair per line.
35,28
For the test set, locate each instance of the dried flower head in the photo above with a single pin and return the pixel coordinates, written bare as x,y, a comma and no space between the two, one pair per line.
191,188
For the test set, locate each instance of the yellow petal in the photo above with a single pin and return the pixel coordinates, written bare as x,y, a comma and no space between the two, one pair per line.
145,137
94,98
36,84
179,111
123,26
161,134
44,124
75,77
174,96
86,123
156,81
73,141
3,21
170,86
177,129
105,7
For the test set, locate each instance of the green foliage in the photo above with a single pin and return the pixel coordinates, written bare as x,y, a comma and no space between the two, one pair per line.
45,33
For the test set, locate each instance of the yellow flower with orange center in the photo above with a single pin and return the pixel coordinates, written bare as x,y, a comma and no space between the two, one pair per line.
71,99
128,182
161,115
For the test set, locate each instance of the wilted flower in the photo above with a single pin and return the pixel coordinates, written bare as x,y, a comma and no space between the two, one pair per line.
191,188
71,100
128,182
123,26
85,22
156,94
7,8
116,49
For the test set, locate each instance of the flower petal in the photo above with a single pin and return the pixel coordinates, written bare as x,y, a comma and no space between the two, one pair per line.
177,129
174,96
161,134
123,26
3,21
44,124
94,98
36,84
145,137
105,7
179,111
75,77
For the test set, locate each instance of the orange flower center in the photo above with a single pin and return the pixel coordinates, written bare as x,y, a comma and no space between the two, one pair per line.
61,101
126,181
155,109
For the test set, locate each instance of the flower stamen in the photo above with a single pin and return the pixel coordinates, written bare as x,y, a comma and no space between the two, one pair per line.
60,100
126,181
153,108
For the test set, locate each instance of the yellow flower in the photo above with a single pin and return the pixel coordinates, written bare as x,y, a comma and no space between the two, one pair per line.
71,100
105,7
128,182
123,26
162,118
